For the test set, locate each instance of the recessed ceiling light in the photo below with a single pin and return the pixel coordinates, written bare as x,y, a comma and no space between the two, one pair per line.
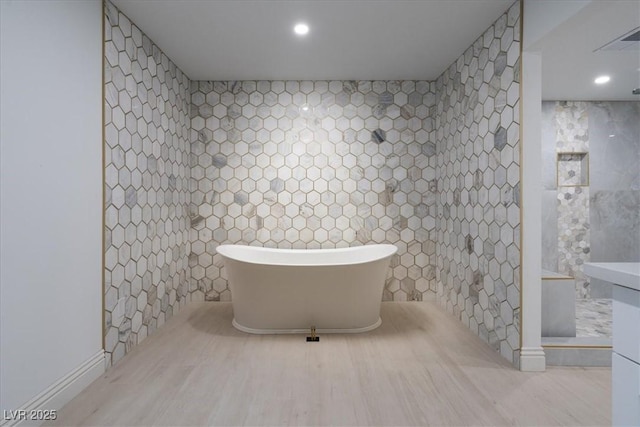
301,29
600,80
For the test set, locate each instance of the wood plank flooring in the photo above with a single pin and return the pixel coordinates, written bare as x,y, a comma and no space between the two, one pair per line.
421,367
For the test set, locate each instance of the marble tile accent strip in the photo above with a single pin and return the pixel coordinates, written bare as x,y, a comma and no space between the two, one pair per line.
574,243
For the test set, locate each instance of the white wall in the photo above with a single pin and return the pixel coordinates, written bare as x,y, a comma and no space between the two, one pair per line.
51,194
532,356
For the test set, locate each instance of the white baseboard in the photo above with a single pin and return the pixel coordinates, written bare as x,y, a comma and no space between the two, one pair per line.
62,391
532,359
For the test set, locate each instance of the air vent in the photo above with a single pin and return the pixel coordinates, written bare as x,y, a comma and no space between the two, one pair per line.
629,41
635,37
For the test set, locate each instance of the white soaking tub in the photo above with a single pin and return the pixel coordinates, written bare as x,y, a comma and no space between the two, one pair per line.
276,291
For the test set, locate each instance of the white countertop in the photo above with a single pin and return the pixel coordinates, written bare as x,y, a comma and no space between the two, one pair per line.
625,274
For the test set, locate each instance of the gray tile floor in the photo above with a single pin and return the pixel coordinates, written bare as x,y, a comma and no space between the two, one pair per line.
593,317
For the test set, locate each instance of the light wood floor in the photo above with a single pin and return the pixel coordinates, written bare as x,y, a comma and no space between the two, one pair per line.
421,367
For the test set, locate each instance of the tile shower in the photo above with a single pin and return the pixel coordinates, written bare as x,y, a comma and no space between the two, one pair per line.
430,166
591,197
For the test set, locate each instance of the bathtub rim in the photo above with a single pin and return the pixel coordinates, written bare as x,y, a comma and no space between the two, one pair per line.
266,331
388,250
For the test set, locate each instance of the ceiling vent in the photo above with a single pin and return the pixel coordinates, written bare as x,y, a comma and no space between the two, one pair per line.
629,41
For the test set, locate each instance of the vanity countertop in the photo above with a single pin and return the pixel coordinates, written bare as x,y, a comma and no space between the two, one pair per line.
625,274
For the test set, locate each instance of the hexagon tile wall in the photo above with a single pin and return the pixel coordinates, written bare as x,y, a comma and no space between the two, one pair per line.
324,164
478,170
147,185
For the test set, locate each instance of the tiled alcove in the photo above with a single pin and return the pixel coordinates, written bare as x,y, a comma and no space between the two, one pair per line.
432,167
573,169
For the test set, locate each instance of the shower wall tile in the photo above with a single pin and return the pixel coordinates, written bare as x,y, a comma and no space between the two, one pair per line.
550,230
614,206
314,164
615,225
574,237
572,127
614,150
549,151
478,186
147,100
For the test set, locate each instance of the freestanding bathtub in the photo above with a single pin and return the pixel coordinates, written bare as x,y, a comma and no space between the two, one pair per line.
276,291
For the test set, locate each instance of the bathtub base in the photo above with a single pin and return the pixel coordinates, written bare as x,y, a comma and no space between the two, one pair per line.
306,331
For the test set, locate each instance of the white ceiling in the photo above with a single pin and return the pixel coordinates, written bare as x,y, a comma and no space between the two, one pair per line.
379,40
569,63
354,39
